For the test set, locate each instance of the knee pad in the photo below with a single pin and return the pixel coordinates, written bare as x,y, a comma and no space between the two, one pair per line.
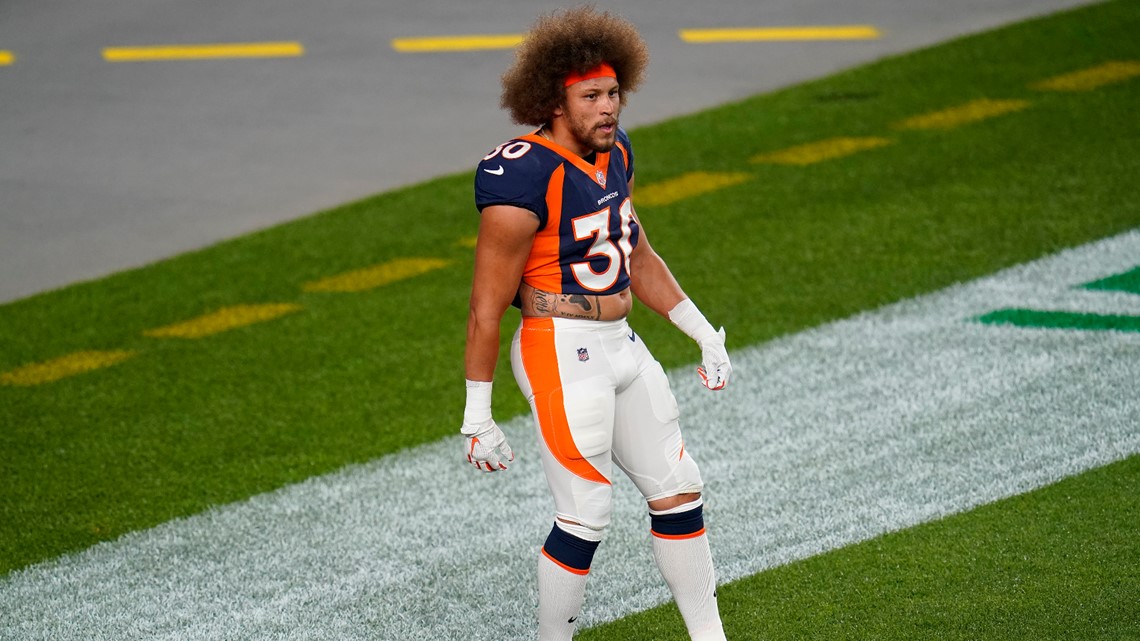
687,476
584,508
584,532
682,478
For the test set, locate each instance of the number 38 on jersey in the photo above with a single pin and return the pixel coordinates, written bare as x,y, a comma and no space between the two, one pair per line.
615,250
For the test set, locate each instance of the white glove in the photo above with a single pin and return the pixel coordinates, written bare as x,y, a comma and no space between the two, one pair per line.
484,440
715,367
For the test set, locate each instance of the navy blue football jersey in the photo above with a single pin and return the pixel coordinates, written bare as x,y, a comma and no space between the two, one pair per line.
587,229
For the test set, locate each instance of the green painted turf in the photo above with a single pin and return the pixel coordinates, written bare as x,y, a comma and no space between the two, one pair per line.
190,424
1127,282
1062,320
1059,563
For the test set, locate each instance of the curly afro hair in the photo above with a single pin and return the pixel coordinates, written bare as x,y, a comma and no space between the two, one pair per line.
570,40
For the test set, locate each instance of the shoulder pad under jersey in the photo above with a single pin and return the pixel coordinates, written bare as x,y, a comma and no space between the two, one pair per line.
515,173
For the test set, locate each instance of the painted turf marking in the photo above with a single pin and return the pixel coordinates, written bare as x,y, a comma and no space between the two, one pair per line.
432,44
1062,320
204,51
758,34
1108,73
687,185
1128,282
838,434
820,151
970,112
481,42
224,320
376,276
64,366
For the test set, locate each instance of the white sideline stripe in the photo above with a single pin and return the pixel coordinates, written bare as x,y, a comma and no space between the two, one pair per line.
825,438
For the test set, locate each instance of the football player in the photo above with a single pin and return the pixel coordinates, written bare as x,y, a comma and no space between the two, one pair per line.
560,239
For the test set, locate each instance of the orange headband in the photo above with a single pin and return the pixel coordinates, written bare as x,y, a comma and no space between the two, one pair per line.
603,70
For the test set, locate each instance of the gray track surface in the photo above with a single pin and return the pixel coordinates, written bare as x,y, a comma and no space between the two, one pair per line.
107,166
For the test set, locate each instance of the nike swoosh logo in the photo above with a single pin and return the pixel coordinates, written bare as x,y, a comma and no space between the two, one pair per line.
495,172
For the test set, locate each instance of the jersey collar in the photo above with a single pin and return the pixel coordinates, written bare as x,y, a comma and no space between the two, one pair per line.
597,172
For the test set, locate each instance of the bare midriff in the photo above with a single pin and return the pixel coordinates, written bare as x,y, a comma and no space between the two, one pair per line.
540,304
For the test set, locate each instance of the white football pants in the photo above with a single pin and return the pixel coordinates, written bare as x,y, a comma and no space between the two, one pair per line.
600,398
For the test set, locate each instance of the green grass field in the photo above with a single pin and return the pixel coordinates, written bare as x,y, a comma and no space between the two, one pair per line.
188,423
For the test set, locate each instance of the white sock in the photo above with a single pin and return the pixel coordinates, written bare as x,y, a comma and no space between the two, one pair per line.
560,596
686,564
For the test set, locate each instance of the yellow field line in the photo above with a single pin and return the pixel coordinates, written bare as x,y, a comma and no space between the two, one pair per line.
686,186
839,32
820,151
1091,78
6,58
62,367
204,51
970,112
223,320
371,277
430,44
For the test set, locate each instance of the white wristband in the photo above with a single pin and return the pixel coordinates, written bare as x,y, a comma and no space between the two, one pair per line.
478,409
690,320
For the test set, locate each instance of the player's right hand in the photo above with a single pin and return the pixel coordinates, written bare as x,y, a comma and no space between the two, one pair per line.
486,446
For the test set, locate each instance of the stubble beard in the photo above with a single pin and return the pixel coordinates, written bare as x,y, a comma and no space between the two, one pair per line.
592,138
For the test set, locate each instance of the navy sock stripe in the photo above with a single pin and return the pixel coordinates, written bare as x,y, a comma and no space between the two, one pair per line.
570,550
689,522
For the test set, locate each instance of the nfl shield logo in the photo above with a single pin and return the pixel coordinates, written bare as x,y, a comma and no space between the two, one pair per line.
601,177
583,355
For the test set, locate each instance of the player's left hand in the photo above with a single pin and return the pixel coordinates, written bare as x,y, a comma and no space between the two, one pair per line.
486,446
715,367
